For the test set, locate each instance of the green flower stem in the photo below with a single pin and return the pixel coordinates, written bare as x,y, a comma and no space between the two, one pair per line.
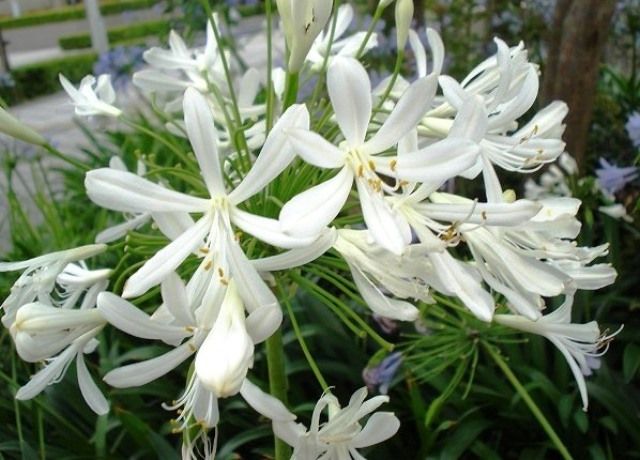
537,413
66,158
303,344
325,61
328,297
392,81
376,17
277,384
269,116
290,90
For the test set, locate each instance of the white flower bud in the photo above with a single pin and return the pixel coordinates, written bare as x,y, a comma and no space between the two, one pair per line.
404,14
302,21
15,128
227,352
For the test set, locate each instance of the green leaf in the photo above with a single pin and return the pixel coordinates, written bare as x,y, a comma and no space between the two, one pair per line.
581,421
630,361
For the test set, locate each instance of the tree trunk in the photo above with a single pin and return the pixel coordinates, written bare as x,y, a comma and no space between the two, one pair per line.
577,38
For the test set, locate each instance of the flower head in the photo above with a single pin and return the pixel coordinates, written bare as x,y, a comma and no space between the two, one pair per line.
577,342
93,97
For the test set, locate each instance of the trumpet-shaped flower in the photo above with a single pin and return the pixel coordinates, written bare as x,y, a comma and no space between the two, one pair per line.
124,191
323,47
52,330
39,278
577,342
350,93
93,97
227,352
340,436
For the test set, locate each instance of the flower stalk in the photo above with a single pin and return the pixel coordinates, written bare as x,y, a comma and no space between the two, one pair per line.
524,394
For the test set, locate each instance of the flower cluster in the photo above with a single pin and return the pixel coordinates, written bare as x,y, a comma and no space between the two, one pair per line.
274,184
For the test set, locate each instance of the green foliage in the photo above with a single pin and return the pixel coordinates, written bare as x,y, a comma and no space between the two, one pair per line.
119,35
73,12
42,78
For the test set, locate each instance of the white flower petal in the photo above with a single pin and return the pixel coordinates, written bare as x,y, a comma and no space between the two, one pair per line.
275,156
380,427
90,391
297,257
438,162
381,304
462,284
472,121
262,323
172,224
200,127
254,292
265,404
174,296
350,93
48,374
268,230
127,192
413,104
383,223
315,149
166,260
138,374
308,213
130,319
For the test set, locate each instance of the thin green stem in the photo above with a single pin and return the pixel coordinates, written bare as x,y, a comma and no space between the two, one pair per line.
270,99
277,384
522,391
392,81
376,17
66,158
303,344
290,91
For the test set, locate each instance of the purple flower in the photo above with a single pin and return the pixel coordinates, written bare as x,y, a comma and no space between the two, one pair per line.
612,179
381,375
633,128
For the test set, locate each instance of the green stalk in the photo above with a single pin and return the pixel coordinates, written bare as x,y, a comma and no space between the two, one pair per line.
376,17
277,384
522,391
303,344
392,81
66,158
291,90
269,13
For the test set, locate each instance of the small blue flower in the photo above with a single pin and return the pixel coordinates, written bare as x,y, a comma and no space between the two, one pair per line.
633,128
612,179
381,375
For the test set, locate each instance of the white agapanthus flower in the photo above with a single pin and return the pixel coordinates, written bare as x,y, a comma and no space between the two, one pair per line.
92,97
576,342
337,438
39,278
358,159
52,318
323,46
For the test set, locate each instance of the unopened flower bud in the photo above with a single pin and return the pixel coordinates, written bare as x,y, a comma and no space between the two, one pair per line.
302,21
227,353
404,14
16,129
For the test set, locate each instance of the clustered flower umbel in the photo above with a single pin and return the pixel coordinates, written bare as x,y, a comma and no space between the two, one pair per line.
393,147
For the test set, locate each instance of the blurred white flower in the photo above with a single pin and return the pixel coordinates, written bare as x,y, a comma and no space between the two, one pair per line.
92,97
